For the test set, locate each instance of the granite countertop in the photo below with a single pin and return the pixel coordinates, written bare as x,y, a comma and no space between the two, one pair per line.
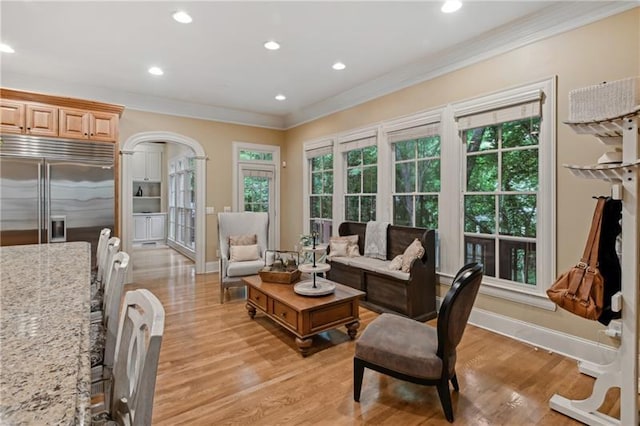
45,372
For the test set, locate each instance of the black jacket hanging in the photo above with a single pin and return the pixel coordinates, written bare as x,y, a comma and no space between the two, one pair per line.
609,264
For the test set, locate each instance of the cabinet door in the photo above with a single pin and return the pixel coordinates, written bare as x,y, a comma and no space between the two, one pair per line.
102,126
74,124
140,228
154,166
42,120
156,227
139,165
11,116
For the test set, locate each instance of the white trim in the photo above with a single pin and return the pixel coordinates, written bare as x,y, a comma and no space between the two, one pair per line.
498,100
421,118
306,147
553,20
274,150
546,236
213,266
354,135
541,337
186,252
126,191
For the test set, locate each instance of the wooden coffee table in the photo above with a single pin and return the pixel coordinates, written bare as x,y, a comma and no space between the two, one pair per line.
304,316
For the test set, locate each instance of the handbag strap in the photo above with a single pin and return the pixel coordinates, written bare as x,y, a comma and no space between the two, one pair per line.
593,240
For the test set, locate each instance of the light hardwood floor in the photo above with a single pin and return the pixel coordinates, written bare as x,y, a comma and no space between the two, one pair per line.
217,366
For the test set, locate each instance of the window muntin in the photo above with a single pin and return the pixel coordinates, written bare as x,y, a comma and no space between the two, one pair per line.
500,198
416,182
256,193
251,155
361,184
321,196
182,206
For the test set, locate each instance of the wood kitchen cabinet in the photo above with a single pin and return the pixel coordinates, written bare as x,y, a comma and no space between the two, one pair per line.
79,124
28,118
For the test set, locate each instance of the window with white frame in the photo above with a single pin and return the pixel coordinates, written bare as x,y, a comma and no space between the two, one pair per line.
361,173
506,189
182,212
321,192
416,178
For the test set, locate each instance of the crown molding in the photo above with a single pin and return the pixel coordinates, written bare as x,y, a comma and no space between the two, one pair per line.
556,19
551,21
137,101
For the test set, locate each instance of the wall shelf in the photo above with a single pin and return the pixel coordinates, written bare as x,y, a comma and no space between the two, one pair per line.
607,172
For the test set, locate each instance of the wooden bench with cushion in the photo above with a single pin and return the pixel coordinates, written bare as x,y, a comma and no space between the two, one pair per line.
408,293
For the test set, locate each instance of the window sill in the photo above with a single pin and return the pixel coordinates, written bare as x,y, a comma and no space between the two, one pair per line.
491,289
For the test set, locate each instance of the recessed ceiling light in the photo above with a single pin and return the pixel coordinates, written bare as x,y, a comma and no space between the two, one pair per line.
272,45
5,48
281,97
156,71
338,66
451,6
182,17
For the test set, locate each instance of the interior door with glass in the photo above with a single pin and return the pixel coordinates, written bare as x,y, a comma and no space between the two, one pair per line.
258,193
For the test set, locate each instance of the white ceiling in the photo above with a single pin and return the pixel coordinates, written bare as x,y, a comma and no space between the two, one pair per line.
217,67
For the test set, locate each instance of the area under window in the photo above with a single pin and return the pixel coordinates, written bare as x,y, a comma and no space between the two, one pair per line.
501,198
361,184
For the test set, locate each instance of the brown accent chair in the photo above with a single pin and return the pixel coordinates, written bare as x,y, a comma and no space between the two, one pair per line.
416,352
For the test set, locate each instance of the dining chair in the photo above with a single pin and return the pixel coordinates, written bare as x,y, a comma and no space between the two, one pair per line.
236,224
105,233
103,333
129,398
97,293
416,352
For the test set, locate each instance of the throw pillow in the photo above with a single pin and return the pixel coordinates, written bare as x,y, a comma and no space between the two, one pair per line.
243,240
396,263
352,244
338,248
244,253
413,251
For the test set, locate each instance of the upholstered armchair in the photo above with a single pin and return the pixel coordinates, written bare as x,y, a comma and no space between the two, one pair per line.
241,259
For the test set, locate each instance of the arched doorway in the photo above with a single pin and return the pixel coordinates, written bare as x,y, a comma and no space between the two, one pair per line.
126,193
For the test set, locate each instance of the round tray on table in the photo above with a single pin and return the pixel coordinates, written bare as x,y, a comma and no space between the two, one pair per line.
322,288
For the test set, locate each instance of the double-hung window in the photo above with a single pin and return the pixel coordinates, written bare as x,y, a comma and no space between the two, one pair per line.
360,179
321,194
507,188
416,179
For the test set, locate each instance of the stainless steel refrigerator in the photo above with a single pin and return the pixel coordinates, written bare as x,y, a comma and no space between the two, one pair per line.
55,190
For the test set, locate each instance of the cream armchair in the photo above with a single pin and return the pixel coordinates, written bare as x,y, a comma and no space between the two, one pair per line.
238,224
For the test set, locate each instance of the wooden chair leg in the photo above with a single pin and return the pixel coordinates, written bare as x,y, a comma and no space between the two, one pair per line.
454,382
445,399
358,372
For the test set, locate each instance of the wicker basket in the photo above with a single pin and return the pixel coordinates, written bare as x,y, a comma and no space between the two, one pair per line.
280,277
604,101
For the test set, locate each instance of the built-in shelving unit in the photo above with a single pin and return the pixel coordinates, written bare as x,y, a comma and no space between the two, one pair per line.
623,371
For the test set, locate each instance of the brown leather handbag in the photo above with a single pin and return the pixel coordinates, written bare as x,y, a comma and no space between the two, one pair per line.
580,290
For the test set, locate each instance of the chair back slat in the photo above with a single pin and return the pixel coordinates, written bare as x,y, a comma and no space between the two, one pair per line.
137,352
112,297
101,252
113,247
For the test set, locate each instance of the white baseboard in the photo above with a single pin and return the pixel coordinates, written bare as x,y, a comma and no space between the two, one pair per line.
212,267
542,337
